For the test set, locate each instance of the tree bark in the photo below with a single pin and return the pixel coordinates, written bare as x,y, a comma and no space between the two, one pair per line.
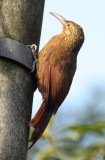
19,20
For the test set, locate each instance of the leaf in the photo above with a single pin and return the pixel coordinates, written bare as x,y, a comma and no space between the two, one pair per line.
82,128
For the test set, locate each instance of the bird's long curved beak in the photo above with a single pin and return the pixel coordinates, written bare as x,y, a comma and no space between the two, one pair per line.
60,18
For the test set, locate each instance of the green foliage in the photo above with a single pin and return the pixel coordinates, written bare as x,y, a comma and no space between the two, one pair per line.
83,141
66,143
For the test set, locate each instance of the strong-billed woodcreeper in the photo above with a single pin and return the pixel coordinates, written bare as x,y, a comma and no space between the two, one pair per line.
57,65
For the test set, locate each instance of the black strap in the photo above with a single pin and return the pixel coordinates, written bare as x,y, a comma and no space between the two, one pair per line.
16,51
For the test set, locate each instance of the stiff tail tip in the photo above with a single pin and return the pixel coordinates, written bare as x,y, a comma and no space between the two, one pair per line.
39,123
30,140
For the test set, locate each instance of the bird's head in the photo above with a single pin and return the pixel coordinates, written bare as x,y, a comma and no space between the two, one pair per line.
70,28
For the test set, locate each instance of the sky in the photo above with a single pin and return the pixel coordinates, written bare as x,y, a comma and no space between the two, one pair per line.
90,14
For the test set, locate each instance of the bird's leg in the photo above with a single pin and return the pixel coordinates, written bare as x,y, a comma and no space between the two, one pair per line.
33,48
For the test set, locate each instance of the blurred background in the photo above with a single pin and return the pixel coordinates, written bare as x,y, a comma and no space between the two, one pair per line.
77,131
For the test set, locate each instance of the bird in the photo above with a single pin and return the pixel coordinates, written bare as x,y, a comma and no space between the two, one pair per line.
56,68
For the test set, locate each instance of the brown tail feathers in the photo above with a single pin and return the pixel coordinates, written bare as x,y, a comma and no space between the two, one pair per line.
39,122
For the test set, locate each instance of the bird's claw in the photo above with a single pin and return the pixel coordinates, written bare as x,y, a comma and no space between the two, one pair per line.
33,48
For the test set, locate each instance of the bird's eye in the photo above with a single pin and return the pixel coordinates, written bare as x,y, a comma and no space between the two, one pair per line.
68,24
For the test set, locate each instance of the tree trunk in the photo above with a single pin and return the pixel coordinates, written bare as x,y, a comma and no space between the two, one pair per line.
19,20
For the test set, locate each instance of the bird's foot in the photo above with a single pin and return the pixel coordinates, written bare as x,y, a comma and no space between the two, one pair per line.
33,48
